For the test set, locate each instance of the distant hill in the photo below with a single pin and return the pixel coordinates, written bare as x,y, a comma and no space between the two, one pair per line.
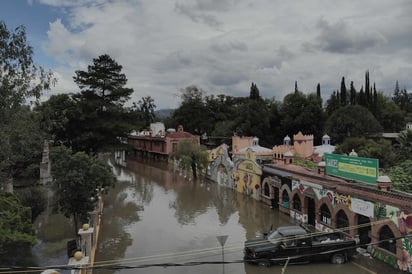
164,113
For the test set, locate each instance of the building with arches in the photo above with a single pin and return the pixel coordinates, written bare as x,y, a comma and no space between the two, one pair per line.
379,216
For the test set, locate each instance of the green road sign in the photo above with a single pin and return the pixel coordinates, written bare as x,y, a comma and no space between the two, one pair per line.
352,168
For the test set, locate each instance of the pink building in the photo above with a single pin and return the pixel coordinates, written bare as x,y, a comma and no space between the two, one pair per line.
157,143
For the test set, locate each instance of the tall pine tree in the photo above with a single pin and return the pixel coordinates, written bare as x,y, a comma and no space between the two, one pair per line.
104,121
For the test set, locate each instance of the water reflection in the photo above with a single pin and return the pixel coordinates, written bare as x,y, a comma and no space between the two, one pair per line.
154,215
177,220
157,216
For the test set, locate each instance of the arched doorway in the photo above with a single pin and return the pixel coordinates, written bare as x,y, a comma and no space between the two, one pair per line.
386,239
342,221
311,211
222,176
266,189
275,197
285,199
297,204
325,216
364,229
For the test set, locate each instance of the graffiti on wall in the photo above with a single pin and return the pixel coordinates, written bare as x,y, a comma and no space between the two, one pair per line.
298,217
404,263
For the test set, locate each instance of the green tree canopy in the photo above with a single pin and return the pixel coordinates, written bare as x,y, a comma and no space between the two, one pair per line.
58,117
21,145
76,180
96,121
351,121
401,176
192,156
16,228
404,148
303,113
192,112
146,108
20,81
388,114
379,149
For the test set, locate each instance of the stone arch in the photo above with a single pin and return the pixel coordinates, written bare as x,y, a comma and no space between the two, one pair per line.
266,189
327,202
385,234
271,191
339,222
220,171
310,204
266,186
325,210
297,197
377,228
285,193
364,228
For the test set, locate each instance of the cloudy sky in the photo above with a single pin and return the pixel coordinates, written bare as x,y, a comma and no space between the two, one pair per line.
222,46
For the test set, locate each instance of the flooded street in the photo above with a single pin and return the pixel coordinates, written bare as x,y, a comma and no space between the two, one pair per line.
155,216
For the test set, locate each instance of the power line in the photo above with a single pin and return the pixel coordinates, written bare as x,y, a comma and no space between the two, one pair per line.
12,270
206,252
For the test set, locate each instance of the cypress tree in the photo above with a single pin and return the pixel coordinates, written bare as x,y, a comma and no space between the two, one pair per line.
352,94
343,92
367,89
318,91
375,100
318,94
362,99
254,92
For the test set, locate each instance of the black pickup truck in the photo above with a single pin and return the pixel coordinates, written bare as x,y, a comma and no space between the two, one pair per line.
295,244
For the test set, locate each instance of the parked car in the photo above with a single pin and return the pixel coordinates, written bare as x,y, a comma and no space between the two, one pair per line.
295,244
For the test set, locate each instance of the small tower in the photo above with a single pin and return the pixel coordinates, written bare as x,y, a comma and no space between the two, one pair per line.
384,183
325,140
286,140
288,157
353,153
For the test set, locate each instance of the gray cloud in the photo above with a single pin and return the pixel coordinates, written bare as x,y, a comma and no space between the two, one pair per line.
198,17
228,47
340,38
223,46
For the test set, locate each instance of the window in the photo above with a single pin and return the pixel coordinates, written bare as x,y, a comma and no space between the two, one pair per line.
174,147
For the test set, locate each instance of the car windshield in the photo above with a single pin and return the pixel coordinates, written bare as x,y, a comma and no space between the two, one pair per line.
275,237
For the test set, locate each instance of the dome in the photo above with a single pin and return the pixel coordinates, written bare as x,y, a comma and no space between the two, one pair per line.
384,179
353,153
287,138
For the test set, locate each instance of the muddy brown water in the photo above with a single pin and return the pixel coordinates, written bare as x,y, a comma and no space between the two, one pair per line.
156,220
156,216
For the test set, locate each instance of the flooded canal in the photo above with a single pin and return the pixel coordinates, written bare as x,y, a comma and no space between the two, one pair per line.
157,221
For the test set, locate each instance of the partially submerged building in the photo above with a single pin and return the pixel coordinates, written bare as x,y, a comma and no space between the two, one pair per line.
325,199
157,143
